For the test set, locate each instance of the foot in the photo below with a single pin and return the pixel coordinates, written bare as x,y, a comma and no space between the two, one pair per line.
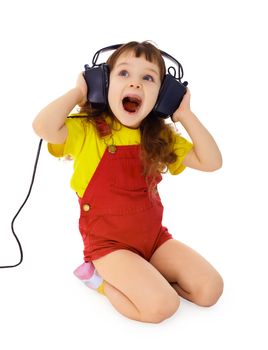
89,276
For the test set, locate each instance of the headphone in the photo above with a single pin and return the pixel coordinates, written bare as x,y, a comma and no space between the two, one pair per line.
170,94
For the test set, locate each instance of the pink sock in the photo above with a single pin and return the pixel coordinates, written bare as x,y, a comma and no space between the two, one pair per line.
88,274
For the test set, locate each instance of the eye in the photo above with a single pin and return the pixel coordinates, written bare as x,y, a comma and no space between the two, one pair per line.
148,77
123,73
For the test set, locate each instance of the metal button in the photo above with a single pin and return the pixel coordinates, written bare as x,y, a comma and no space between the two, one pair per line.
112,148
86,207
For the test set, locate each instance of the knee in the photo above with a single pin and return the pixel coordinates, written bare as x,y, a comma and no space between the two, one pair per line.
162,308
208,294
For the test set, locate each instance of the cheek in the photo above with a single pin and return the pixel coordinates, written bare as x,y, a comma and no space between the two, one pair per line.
109,96
154,96
113,94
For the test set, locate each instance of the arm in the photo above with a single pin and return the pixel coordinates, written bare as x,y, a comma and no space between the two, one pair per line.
205,155
49,124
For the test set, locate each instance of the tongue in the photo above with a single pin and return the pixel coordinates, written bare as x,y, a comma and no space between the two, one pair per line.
130,106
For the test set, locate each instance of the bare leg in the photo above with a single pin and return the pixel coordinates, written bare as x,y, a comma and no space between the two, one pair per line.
193,277
135,288
121,302
181,292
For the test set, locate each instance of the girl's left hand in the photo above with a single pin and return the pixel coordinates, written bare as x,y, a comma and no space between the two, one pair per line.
183,107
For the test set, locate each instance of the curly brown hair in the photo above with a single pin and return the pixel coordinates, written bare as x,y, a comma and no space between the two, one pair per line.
157,137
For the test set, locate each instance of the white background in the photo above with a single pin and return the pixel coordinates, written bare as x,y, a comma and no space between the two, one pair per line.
221,45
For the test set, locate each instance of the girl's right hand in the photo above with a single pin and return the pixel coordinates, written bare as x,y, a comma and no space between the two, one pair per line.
82,86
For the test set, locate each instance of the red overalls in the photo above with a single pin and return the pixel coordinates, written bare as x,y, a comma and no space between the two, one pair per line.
116,210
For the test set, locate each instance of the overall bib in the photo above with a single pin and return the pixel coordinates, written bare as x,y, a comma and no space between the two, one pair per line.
116,210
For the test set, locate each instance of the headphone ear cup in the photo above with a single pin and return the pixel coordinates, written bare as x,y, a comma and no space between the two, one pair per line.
97,79
169,98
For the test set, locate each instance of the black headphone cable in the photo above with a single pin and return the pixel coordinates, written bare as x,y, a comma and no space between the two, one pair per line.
28,195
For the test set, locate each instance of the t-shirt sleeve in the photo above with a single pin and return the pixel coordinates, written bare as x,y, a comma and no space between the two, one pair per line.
74,140
181,148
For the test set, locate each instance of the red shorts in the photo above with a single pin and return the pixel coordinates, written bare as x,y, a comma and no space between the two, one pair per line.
99,246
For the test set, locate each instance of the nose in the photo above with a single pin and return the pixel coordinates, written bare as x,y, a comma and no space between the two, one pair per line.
137,86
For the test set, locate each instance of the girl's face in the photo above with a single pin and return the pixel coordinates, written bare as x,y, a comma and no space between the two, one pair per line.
133,89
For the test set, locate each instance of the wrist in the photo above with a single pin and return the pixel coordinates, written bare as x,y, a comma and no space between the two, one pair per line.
180,117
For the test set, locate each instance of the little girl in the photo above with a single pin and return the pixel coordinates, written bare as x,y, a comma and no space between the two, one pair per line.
119,155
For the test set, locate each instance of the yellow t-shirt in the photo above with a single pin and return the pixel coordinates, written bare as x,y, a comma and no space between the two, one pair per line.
86,148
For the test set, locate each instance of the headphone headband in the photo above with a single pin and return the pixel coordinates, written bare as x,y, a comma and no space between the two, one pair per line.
163,53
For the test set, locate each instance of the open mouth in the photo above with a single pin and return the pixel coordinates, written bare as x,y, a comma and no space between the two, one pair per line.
131,103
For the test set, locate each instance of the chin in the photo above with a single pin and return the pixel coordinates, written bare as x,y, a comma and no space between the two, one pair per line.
129,123
130,120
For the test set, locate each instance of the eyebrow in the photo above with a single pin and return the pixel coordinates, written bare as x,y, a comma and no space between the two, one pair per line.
147,68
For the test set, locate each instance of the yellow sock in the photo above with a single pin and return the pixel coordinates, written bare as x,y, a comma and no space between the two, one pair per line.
100,289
